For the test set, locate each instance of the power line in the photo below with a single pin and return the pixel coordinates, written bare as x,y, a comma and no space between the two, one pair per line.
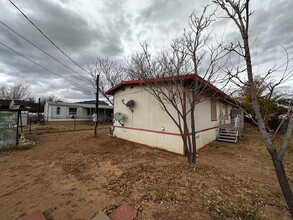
41,65
48,38
41,49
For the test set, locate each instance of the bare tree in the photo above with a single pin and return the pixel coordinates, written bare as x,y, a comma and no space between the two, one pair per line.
110,74
15,92
239,12
187,55
45,98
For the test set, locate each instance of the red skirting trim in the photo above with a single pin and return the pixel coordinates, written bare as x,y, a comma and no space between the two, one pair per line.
147,130
207,129
163,132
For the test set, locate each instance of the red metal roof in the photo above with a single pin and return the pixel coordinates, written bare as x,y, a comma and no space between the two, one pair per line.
173,78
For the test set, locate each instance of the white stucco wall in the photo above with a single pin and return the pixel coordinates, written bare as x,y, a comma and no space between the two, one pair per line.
206,129
145,124
163,141
149,124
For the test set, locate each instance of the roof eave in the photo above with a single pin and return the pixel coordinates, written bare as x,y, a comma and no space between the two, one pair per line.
189,76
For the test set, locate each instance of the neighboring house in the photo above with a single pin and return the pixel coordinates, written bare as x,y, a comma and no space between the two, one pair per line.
149,124
65,111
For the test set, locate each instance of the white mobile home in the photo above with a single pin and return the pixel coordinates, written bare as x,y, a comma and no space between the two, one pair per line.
147,123
65,111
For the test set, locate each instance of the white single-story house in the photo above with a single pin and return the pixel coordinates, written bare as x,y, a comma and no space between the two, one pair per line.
65,111
145,122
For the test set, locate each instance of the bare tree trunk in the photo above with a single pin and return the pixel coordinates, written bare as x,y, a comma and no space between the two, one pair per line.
184,138
240,13
259,119
193,136
279,168
283,181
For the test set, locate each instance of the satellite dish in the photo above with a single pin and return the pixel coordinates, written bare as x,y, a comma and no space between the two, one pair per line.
118,116
130,104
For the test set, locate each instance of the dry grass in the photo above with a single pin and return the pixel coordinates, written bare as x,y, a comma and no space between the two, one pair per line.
224,193
156,185
229,181
231,196
253,142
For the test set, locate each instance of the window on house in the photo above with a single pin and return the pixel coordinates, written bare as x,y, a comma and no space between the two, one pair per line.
213,110
88,111
58,110
72,111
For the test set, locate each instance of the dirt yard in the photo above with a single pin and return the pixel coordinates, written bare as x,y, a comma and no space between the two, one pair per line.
74,175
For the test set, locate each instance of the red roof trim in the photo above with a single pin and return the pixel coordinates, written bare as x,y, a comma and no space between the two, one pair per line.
164,79
160,79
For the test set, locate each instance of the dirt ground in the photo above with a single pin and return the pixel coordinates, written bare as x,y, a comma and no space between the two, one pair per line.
74,175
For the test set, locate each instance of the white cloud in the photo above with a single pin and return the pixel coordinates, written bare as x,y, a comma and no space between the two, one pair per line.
114,28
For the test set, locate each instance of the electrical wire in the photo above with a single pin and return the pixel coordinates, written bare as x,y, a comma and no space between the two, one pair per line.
42,50
78,84
49,38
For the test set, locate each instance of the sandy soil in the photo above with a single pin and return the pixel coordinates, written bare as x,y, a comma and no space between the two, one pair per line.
74,175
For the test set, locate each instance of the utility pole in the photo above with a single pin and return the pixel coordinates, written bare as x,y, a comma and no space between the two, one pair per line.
39,109
97,105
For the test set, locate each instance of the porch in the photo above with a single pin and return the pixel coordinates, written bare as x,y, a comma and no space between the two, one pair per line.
233,131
